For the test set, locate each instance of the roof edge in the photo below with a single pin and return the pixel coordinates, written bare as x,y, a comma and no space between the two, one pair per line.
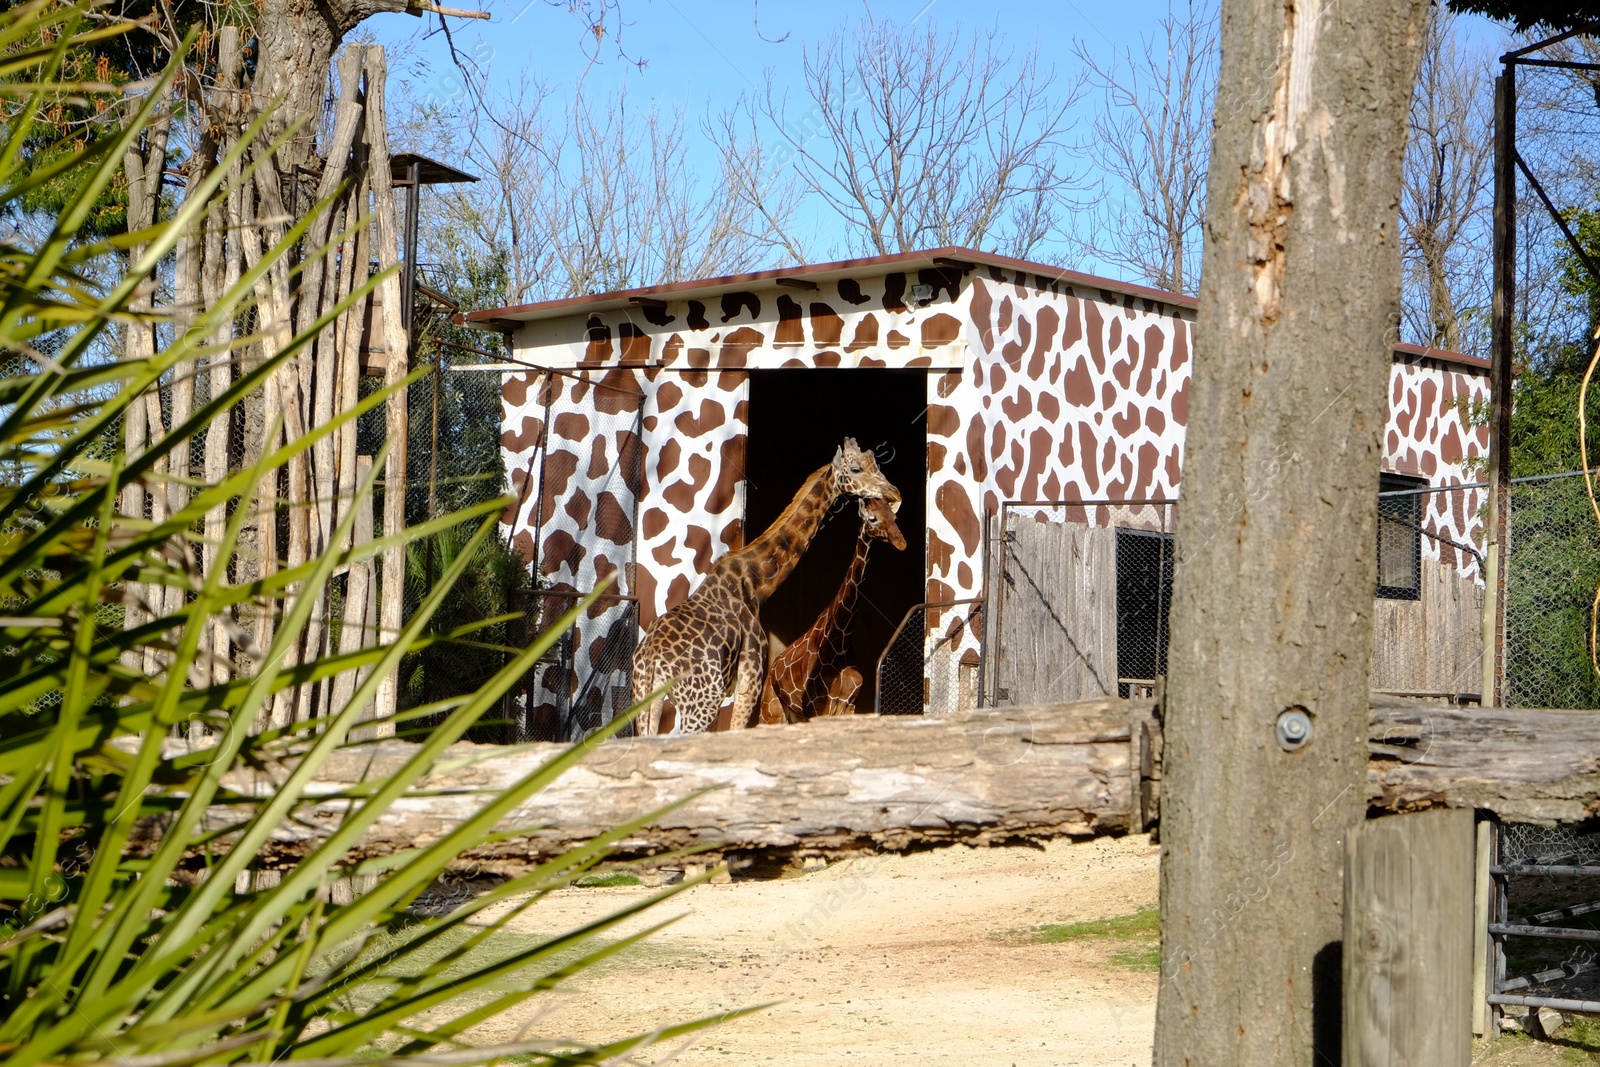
510,316
926,258
1443,355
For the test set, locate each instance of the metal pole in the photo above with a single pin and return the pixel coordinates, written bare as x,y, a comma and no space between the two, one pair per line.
1500,375
433,458
408,282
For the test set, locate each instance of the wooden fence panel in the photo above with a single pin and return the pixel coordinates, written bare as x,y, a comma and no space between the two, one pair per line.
1408,941
1056,637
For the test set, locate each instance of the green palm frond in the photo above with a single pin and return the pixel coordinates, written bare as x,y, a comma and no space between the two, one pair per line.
125,936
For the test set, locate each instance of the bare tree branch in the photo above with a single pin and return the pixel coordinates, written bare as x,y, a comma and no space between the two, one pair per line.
1152,140
1444,199
592,196
914,140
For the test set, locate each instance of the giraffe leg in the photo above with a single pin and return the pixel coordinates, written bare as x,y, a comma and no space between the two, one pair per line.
842,691
750,673
771,706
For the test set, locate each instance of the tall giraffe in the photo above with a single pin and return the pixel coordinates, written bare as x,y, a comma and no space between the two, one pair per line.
813,676
713,643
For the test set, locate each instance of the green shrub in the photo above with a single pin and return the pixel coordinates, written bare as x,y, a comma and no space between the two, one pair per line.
122,930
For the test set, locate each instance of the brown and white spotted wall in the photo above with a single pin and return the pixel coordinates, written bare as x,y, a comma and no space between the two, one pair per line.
692,359
1040,387
1070,393
1431,435
572,446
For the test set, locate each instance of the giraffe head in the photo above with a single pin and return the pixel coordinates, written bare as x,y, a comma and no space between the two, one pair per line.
855,473
877,521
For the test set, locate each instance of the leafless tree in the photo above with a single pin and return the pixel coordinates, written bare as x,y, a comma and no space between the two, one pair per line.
1152,143
588,195
914,139
1444,200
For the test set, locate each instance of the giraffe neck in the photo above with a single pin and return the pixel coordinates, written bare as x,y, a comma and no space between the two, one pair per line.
835,620
770,558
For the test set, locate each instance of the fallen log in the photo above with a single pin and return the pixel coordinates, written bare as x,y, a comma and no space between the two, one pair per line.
831,786
864,783
1523,764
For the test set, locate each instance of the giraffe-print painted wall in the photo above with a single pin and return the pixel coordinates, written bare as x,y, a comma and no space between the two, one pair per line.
693,357
1041,385
1430,435
573,453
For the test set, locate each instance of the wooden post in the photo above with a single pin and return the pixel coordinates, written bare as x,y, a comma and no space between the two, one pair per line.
396,364
1408,941
361,595
1501,349
1480,930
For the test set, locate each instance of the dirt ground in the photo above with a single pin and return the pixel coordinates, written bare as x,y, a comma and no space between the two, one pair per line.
923,959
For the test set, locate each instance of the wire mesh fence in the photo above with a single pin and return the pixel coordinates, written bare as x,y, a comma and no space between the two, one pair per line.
1552,572
933,663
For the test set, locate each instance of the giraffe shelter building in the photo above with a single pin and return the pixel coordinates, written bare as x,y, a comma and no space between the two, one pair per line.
1033,419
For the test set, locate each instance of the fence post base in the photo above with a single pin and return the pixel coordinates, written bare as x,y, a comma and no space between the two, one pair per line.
1408,941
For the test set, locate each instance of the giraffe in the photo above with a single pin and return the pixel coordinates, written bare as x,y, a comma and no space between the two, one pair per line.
813,675
713,643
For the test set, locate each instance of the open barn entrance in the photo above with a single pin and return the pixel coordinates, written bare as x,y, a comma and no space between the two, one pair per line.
797,420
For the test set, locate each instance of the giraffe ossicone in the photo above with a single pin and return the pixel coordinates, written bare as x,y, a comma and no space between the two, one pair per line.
712,645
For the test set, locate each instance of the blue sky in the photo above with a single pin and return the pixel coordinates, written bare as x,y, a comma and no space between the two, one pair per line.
699,55
699,52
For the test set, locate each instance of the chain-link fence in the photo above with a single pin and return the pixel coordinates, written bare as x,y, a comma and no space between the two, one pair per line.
933,663
453,462
1552,572
1082,596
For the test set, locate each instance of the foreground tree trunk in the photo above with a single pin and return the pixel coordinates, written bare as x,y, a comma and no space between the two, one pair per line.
1299,300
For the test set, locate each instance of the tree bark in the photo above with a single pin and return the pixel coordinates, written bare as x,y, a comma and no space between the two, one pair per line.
1272,603
396,363
296,41
144,163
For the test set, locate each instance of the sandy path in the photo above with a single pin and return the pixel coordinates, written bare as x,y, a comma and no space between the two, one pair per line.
889,960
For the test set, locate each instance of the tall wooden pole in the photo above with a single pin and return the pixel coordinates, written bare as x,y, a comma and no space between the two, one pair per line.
1267,693
1503,311
391,598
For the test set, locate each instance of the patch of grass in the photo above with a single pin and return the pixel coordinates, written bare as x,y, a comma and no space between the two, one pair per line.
1146,922
1138,957
1576,1043
1137,935
606,881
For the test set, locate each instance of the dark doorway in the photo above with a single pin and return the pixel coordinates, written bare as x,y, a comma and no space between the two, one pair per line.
798,418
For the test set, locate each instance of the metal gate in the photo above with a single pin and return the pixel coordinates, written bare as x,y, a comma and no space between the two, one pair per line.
1544,921
1082,591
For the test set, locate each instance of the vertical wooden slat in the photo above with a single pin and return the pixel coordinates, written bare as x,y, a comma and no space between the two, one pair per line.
360,599
396,365
1408,941
221,275
1059,631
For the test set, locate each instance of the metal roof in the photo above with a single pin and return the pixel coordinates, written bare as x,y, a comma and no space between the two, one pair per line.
937,258
432,171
